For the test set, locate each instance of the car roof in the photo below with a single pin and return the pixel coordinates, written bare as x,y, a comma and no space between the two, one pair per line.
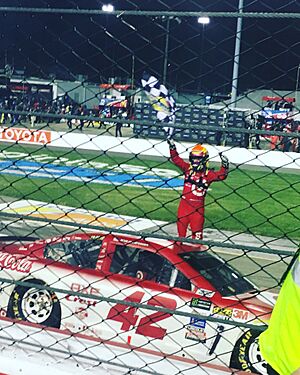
158,244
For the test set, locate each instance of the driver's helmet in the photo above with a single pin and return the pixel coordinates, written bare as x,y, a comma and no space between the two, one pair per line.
199,158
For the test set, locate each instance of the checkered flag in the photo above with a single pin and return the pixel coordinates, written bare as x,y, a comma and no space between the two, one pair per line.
162,102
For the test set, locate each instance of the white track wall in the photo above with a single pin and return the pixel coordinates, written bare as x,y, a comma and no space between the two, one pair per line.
147,147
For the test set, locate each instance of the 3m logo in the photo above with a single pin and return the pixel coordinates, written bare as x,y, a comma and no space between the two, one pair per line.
240,314
25,135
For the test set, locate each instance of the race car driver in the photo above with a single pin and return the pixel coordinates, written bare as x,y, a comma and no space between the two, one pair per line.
197,178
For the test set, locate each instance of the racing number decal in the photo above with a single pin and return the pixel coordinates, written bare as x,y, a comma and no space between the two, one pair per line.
124,314
128,317
145,327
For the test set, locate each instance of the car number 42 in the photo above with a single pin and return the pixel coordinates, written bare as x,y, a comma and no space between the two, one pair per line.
128,315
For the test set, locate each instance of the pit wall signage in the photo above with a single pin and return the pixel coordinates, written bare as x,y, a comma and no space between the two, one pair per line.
260,158
23,135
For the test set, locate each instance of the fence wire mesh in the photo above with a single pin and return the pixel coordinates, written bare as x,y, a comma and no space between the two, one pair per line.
101,109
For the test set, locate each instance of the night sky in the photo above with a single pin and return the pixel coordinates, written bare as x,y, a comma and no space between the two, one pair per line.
200,57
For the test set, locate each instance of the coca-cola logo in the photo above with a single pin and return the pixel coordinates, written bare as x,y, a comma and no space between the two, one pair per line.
15,263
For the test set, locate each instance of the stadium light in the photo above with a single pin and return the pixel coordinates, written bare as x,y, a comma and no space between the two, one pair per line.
204,20
108,8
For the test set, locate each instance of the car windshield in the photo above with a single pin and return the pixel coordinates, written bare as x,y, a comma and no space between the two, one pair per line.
221,275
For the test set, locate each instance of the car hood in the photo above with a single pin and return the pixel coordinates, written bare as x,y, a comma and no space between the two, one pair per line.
261,301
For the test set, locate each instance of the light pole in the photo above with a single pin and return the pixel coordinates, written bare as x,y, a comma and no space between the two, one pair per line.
203,21
297,85
166,51
108,8
236,61
132,70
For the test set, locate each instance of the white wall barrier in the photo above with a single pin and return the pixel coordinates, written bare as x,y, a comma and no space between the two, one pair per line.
147,147
29,350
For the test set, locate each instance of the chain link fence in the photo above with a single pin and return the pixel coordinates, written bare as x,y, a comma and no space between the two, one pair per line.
93,267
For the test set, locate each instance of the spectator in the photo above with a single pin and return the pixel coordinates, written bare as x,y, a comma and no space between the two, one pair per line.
119,125
259,125
286,140
81,112
269,104
277,105
275,140
91,122
32,119
69,112
282,104
288,106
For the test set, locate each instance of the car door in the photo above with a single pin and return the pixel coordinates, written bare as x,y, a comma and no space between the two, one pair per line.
142,278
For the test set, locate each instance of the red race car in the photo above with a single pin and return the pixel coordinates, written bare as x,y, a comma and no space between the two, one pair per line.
154,296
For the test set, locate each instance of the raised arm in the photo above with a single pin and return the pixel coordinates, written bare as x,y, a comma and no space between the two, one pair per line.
176,159
222,173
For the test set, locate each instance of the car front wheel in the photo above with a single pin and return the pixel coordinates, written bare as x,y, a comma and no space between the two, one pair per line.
35,305
246,355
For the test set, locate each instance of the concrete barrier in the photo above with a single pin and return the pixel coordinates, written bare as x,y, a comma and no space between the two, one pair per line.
150,147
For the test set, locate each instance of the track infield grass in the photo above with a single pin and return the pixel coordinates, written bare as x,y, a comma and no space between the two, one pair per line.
249,201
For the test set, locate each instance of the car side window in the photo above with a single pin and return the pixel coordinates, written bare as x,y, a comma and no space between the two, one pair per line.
145,265
81,253
125,259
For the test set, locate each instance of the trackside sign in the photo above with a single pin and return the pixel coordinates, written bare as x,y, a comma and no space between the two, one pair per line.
22,135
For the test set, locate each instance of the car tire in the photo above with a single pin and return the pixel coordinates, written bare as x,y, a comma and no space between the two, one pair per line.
246,355
35,305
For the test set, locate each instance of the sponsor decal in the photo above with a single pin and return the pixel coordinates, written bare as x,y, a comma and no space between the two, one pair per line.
196,334
22,135
101,257
133,243
200,304
85,290
81,313
96,237
222,312
205,293
200,323
243,351
240,314
14,263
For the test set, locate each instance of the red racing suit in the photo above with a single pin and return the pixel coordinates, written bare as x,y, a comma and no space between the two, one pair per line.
191,206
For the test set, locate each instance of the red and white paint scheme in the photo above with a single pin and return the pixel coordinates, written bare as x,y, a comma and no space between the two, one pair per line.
155,297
